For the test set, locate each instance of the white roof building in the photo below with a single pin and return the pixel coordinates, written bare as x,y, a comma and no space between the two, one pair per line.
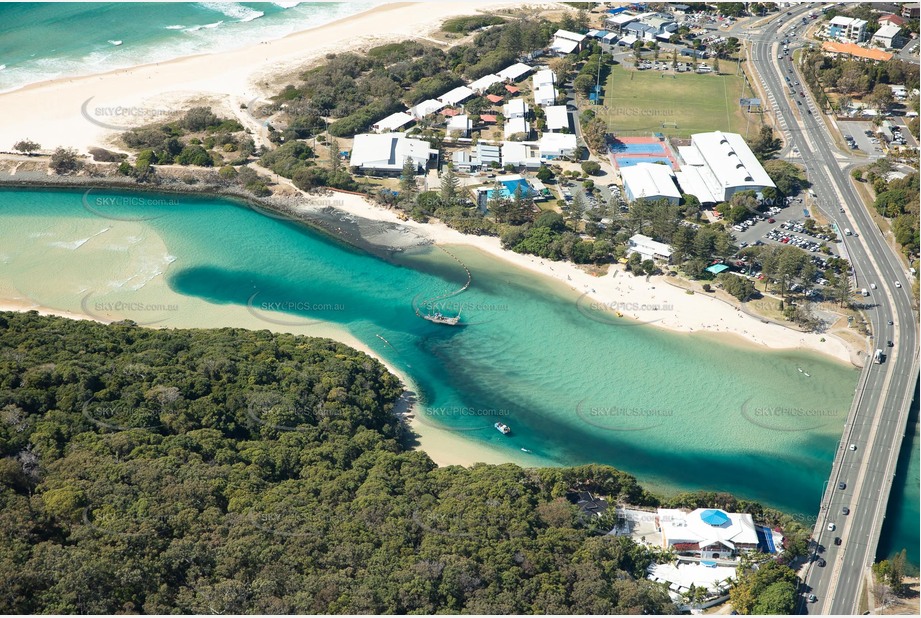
387,152
717,165
459,125
711,532
484,154
544,76
545,95
393,122
886,34
457,95
557,117
555,145
520,154
651,181
515,71
516,108
430,106
516,125
648,249
566,42
485,82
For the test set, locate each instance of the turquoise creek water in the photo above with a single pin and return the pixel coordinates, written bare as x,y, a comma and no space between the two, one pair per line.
679,411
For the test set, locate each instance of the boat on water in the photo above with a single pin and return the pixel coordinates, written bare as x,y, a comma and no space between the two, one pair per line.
439,318
503,428
116,43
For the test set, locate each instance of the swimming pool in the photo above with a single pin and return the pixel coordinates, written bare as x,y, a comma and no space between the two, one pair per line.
510,186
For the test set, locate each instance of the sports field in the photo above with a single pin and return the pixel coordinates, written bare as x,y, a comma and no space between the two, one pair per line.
640,102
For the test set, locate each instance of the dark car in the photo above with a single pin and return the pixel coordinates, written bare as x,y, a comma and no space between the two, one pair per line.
821,562
889,322
845,510
812,598
842,486
809,111
837,540
889,344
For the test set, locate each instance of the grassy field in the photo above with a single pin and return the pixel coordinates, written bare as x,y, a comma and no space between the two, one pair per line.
640,102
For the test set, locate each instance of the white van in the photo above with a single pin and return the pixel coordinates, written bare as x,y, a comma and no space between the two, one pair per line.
847,232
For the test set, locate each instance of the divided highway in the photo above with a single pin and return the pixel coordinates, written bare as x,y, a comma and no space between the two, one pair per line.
877,422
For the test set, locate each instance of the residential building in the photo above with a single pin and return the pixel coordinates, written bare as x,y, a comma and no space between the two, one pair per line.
385,153
911,10
557,117
456,96
707,533
566,42
393,122
480,86
847,29
515,72
857,52
648,248
544,87
521,154
888,36
891,18
517,126
459,126
462,161
430,106
650,181
717,165
556,145
487,155
516,108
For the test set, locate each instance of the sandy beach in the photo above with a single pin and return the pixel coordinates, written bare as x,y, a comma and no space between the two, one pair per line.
54,113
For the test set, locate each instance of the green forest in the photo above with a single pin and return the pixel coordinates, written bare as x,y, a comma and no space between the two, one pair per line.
233,471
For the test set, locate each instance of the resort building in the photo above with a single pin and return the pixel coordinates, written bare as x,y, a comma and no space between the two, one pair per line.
847,29
707,533
648,248
386,153
717,165
459,126
517,126
566,42
430,106
521,154
456,96
557,118
487,155
516,108
544,87
887,36
462,161
650,181
850,50
481,85
515,72
556,145
393,122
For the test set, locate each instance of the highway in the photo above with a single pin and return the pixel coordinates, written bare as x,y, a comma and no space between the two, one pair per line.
877,422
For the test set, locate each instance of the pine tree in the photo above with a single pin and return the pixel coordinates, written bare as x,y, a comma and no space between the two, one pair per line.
334,162
449,186
408,179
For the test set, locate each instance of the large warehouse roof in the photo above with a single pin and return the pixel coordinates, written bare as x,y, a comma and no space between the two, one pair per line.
650,181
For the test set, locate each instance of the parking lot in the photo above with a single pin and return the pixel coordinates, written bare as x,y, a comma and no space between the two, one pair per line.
777,224
857,131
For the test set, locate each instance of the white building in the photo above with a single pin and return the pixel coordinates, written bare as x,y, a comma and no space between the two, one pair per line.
544,87
393,122
556,145
648,249
566,42
515,126
515,72
717,165
486,154
459,125
847,29
521,154
887,36
456,96
650,181
385,153
557,117
707,533
516,108
430,106
481,85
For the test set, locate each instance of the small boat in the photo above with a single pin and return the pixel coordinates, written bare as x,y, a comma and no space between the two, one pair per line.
116,43
799,369
807,375
526,450
439,318
503,428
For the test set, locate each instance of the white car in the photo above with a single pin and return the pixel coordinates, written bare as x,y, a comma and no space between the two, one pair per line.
853,447
831,526
872,286
897,284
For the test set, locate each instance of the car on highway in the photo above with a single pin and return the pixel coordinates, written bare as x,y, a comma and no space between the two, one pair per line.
845,510
842,486
831,526
812,598
890,322
889,344
821,562
853,447
897,284
837,540
872,286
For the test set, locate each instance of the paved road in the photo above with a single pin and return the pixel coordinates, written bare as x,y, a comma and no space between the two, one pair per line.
876,425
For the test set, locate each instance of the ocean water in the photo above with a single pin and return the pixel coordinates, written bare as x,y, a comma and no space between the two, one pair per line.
679,411
40,41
